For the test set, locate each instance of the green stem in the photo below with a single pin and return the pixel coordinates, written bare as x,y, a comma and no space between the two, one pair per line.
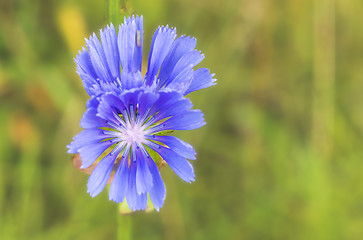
117,10
124,226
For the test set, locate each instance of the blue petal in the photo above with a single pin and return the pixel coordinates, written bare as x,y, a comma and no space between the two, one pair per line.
146,102
182,81
85,70
166,99
181,46
98,59
109,105
180,147
130,48
90,85
93,102
188,120
174,108
129,99
109,44
144,179
90,153
130,44
84,64
139,43
134,200
86,137
164,103
177,163
131,80
157,192
182,74
100,175
108,87
160,47
189,59
119,183
201,79
91,120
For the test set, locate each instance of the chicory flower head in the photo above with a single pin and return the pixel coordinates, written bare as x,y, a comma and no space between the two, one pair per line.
128,114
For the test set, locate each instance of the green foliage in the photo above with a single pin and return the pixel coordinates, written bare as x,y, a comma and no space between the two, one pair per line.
117,10
279,158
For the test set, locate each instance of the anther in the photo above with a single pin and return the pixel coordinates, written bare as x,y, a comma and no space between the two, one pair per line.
133,155
144,152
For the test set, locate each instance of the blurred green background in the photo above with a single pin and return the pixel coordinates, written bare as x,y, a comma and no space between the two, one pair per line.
279,158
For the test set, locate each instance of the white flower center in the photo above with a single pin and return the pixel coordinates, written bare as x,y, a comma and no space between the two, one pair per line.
134,134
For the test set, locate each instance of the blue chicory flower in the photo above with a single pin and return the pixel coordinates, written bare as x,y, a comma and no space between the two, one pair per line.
128,114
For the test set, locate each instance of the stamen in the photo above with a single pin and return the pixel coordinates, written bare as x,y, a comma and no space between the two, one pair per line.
144,151
137,118
152,145
133,154
112,133
156,128
118,147
149,122
126,116
126,151
113,125
122,123
132,113
150,136
140,146
114,140
118,81
146,114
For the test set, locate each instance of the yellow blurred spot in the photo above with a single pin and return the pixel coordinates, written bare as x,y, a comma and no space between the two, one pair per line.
21,131
1,76
39,97
72,26
2,81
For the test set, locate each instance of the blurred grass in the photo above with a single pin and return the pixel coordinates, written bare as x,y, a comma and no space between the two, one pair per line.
280,157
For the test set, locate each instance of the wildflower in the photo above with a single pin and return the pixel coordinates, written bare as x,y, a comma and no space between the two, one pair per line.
171,61
128,115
